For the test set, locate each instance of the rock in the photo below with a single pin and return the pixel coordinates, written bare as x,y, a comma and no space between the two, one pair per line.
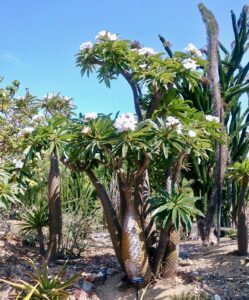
217,297
185,262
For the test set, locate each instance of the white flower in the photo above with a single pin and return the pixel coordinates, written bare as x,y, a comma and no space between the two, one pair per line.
20,98
145,51
143,66
25,131
106,34
172,121
212,118
90,116
18,163
37,118
192,133
86,130
179,128
48,97
189,64
125,122
86,46
112,37
193,50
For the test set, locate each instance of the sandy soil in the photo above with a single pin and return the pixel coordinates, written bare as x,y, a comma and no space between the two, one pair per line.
202,270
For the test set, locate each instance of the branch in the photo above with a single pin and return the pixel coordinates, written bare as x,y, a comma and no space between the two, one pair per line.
136,91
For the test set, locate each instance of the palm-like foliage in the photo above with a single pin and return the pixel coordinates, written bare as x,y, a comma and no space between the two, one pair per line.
239,171
174,209
35,218
44,286
8,190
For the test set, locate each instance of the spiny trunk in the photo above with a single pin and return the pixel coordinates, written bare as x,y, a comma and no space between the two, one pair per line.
141,196
164,233
54,208
242,222
40,239
110,216
134,250
218,110
170,260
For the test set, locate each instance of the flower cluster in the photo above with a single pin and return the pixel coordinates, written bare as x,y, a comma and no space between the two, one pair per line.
86,46
106,34
145,51
125,122
193,50
191,133
25,131
18,163
49,97
86,130
212,118
90,116
174,122
37,118
189,64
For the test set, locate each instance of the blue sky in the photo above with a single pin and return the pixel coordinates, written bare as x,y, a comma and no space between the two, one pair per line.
39,40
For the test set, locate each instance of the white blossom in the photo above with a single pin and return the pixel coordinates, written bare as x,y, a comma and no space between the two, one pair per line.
37,118
172,121
193,50
112,37
20,98
25,131
125,122
192,133
86,130
18,163
49,97
212,118
189,64
106,34
179,128
86,46
90,116
143,66
145,51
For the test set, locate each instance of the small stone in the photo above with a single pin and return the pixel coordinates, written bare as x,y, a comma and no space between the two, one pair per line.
217,297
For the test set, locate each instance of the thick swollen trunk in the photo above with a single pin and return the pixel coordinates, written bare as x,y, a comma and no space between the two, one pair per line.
110,215
242,222
54,208
134,250
170,260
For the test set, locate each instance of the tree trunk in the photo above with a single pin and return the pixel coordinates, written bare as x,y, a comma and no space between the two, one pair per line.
218,111
40,239
170,260
110,216
242,222
134,250
54,209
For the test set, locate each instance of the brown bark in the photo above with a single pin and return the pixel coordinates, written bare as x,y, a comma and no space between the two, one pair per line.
134,250
40,239
170,260
242,222
218,111
54,208
110,215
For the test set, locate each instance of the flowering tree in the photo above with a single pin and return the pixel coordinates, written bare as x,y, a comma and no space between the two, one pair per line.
126,148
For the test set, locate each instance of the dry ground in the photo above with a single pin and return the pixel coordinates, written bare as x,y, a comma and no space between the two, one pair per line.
209,270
